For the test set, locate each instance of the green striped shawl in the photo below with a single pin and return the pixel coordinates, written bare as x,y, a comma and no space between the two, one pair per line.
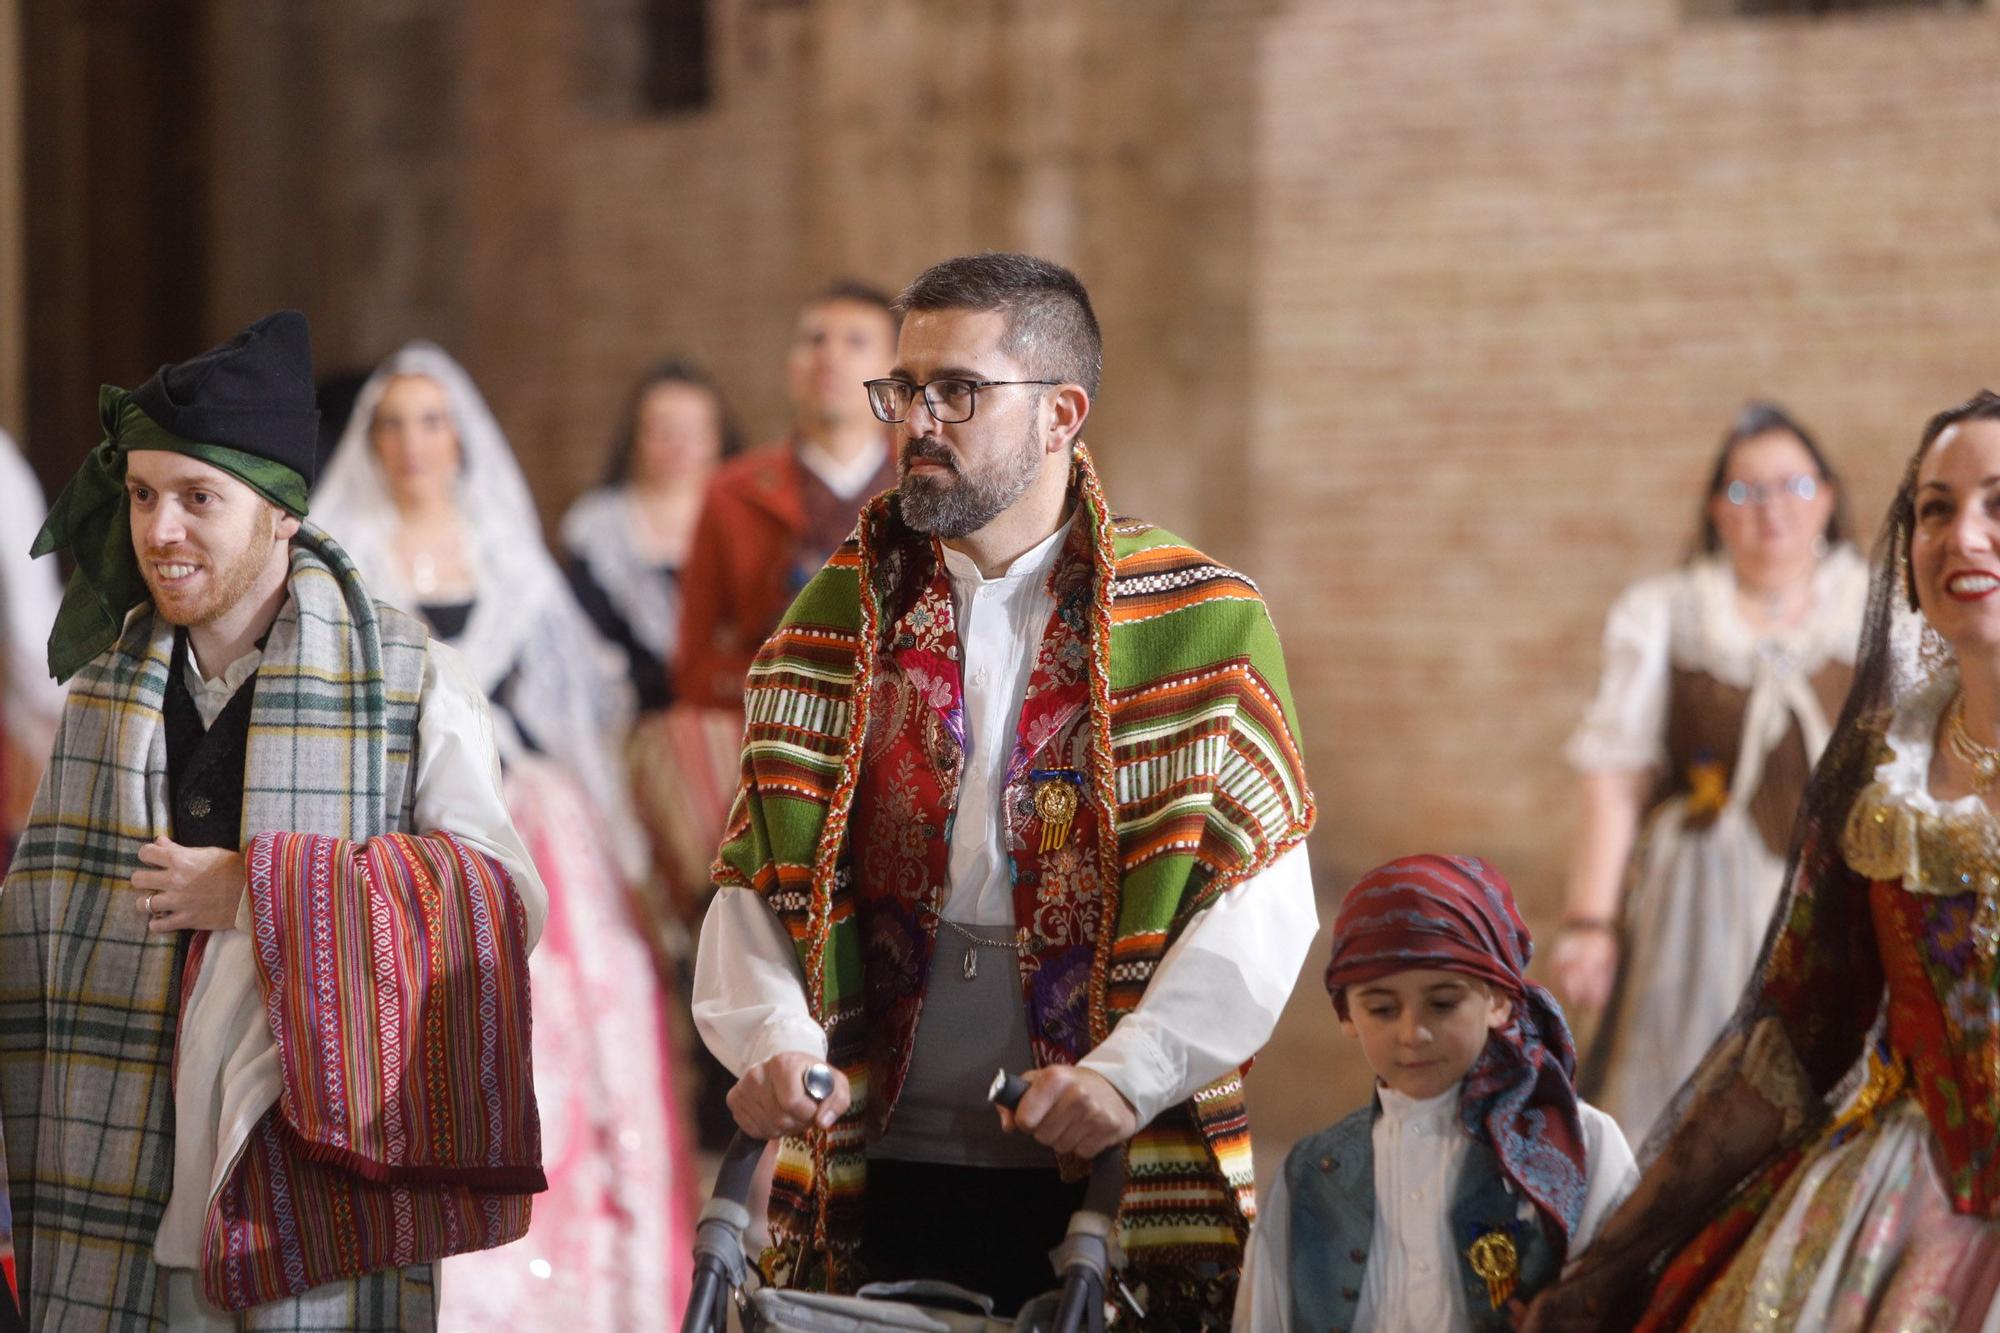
1196,751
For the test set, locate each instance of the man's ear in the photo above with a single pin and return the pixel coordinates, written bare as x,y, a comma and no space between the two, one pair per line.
287,526
1068,406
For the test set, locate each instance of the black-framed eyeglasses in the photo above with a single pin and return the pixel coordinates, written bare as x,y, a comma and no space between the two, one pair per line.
949,400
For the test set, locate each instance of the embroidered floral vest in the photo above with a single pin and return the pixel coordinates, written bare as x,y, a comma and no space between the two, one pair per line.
1935,901
905,800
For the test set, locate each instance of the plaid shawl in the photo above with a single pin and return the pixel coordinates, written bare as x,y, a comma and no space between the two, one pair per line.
1194,757
89,1000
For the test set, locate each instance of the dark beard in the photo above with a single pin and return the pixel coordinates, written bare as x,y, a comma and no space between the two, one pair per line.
959,504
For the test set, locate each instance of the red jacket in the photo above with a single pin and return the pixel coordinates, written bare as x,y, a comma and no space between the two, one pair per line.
767,525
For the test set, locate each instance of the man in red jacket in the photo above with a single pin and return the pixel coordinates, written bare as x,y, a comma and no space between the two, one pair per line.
773,516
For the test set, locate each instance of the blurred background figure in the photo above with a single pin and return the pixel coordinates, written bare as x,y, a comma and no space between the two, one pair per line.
627,540
768,521
1721,681
626,543
30,704
773,516
30,700
424,492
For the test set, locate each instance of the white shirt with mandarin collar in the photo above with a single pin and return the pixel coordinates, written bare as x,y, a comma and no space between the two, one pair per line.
1413,1284
1216,994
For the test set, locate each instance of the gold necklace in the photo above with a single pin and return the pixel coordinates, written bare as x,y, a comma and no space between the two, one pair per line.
1984,759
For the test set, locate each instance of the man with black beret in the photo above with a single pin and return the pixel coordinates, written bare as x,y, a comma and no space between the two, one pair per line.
263,948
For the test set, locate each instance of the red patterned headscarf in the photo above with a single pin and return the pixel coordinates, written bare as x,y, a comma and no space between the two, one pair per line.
1457,914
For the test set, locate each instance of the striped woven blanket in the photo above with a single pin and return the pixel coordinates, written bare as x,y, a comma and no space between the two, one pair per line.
395,980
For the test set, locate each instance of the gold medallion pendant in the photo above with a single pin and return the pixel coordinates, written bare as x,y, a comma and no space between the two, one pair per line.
1058,793
1494,1258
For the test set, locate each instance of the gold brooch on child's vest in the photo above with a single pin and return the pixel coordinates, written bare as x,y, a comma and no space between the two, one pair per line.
1494,1258
1057,795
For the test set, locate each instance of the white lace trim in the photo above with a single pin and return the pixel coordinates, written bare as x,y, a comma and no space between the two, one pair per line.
1899,830
1905,774
1711,635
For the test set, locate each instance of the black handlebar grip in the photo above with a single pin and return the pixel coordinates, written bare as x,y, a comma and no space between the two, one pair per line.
1007,1090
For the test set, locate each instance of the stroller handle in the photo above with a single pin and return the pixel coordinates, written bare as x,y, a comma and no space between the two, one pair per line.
718,1245
1086,1257
1084,1260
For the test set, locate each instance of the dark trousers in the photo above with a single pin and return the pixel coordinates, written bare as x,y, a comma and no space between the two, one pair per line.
987,1229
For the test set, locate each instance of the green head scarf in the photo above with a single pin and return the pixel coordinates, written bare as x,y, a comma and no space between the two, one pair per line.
91,519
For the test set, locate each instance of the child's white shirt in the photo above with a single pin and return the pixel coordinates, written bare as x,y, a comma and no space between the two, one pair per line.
1413,1283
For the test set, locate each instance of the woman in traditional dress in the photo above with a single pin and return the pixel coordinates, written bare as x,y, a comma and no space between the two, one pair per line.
1835,1161
627,540
1720,682
626,543
425,494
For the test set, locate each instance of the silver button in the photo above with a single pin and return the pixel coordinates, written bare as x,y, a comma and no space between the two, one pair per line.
199,806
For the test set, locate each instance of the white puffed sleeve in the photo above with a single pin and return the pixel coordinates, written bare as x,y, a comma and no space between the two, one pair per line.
1624,729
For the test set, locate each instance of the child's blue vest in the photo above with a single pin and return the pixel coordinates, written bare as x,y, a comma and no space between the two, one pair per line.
1330,1177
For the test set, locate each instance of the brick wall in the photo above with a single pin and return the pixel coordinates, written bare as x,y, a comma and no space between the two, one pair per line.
1427,314
1516,267
1429,318
867,139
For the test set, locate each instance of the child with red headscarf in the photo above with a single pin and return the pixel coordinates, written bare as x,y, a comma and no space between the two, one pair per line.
1461,1190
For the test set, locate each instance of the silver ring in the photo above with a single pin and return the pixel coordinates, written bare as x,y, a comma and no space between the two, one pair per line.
818,1081
149,904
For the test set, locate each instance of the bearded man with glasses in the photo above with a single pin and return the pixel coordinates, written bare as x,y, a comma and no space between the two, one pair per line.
1021,788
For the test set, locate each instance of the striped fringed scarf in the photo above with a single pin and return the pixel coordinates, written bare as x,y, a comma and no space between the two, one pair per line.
395,977
1195,751
88,998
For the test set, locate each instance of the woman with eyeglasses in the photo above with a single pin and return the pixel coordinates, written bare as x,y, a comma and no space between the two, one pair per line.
1720,681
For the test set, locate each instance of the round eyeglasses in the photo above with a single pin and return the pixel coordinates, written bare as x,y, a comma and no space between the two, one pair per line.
1802,487
949,400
